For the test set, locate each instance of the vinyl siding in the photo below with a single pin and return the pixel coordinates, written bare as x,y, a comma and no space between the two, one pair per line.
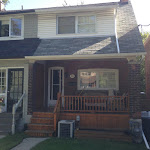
105,24
30,26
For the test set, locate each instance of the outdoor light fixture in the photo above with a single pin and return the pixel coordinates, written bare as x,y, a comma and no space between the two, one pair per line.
78,122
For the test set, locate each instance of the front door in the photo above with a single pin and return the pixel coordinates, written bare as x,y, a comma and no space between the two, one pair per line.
15,87
56,84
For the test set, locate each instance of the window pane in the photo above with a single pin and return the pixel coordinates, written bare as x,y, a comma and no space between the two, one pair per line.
86,24
16,27
87,79
2,81
66,25
4,28
86,28
107,80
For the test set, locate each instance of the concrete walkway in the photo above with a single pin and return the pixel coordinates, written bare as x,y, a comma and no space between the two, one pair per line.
28,143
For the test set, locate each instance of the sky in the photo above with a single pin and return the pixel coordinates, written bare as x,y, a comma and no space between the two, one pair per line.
141,7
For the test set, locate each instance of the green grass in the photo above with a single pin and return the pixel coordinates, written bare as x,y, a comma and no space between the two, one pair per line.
70,144
11,141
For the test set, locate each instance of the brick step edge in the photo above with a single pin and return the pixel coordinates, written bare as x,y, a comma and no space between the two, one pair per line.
38,133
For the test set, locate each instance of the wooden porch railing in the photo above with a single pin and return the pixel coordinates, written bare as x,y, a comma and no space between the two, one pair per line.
57,111
112,104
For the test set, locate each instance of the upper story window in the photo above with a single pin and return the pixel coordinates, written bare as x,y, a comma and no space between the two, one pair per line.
4,28
86,24
76,24
66,25
11,28
16,25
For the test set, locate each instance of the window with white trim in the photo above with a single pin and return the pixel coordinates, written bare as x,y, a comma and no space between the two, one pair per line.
98,79
66,25
86,24
76,24
11,27
2,81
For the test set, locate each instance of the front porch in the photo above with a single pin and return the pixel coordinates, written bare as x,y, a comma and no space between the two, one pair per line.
103,93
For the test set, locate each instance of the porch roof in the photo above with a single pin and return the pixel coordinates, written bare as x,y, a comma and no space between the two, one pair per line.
77,46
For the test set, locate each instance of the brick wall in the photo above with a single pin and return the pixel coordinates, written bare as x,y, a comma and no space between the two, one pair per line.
30,82
134,88
147,68
129,78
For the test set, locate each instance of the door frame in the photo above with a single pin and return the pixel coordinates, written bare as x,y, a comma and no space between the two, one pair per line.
7,68
49,84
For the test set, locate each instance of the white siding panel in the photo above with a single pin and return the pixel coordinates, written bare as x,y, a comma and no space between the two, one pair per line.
104,25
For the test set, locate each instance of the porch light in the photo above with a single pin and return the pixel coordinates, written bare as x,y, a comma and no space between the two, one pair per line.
77,118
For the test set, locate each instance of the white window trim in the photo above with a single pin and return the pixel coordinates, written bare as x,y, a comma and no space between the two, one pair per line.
76,24
97,86
10,37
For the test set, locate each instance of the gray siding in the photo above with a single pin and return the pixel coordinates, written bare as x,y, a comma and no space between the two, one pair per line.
30,26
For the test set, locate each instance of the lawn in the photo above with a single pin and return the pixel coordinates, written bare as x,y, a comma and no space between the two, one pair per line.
70,144
11,141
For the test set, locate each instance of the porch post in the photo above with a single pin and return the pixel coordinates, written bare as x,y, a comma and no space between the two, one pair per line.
30,87
134,87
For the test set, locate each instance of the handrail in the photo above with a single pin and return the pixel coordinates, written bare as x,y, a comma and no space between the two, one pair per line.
145,140
15,107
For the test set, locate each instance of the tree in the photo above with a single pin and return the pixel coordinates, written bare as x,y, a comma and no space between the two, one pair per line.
145,36
141,59
5,2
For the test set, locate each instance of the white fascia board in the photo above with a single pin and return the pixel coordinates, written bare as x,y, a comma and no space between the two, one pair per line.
98,56
74,9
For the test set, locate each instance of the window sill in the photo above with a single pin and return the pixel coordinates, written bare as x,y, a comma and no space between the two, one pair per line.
10,38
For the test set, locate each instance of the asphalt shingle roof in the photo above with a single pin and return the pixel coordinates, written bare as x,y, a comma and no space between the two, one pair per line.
128,35
77,46
18,48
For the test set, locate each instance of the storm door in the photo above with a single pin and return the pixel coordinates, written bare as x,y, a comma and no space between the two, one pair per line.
56,84
15,87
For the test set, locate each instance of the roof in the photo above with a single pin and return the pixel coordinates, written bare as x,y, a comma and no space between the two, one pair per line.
18,48
129,38
57,8
16,11
77,46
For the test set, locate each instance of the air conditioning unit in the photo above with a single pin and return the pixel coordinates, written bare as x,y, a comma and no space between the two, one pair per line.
66,128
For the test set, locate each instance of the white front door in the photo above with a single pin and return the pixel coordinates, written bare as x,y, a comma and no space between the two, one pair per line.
55,84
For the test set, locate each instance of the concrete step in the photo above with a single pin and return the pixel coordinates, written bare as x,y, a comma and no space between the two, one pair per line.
37,133
42,120
40,127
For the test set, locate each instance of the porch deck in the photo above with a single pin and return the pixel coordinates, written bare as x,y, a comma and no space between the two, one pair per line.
96,112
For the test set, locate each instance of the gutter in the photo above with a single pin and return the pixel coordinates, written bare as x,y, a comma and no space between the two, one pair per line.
117,42
97,56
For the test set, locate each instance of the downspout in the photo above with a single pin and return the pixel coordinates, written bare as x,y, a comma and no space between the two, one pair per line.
117,42
145,140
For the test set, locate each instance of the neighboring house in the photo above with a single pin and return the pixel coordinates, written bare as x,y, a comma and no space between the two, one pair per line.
87,53
147,70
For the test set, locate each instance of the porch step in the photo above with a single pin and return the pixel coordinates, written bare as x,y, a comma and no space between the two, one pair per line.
43,115
37,133
42,125
94,134
42,120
